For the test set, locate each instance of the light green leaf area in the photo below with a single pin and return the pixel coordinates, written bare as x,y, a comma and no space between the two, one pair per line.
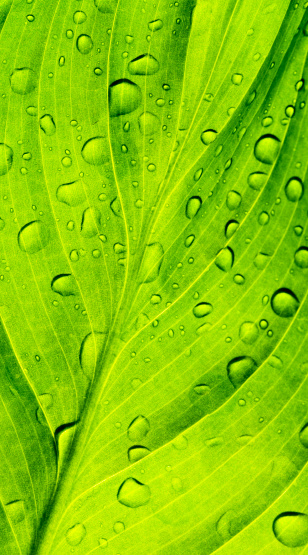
153,280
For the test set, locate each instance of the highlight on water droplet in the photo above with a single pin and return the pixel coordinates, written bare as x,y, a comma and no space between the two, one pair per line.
145,64
75,534
225,259
208,136
47,124
22,80
133,493
94,151
267,148
294,189
291,529
33,237
124,97
193,206
239,369
6,158
284,303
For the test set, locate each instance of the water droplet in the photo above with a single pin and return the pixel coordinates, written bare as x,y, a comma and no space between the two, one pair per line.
189,241
93,151
145,64
198,174
256,180
22,80
75,534
202,389
155,25
249,332
225,259
263,218
267,121
303,436
118,527
239,369
239,279
6,158
237,78
284,303
15,510
298,230
180,443
155,299
69,34
208,136
74,256
137,452
148,123
115,206
79,17
90,352
294,189
71,194
233,200
91,220
138,428
231,227
33,237
84,44
31,111
64,284
47,124
225,525
104,6
267,148
133,493
301,257
66,162
2,224
291,529
290,111
151,263
193,206
124,97
202,309
260,260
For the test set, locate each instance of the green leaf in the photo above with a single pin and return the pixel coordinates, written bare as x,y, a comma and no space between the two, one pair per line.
154,261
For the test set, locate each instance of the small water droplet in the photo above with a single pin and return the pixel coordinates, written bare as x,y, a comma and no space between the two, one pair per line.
239,369
230,228
133,493
22,80
124,97
303,436
301,257
91,221
225,259
148,123
233,200
208,136
138,429
6,158
145,64
64,284
151,263
237,78
267,148
47,124
256,180
90,352
193,206
137,452
71,194
79,17
284,303
75,534
248,333
294,189
33,237
155,25
84,44
202,309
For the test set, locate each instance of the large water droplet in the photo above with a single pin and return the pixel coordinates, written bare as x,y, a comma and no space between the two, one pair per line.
115,206
256,180
231,228
84,44
105,6
294,189
94,151
137,452
138,428
65,285
22,80
239,369
133,493
79,17
303,436
91,220
193,206
72,194
260,260
151,263
148,123
267,149
6,158
233,200
208,136
225,525
145,64
291,529
284,303
47,124
15,510
249,332
33,237
155,25
124,97
202,309
225,259
75,534
90,351
301,257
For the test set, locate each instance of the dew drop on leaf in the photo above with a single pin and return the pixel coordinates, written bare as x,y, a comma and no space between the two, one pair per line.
301,257
151,263
260,260
189,240
224,525
64,284
208,136
267,148
284,303
237,78
6,158
15,510
137,452
145,64
84,44
225,259
249,332
75,534
239,369
303,436
90,223
119,527
192,207
155,25
93,151
104,6
202,309
90,352
233,200
201,389
230,228
133,493
22,80
294,189
256,180
138,428
148,123
72,193
124,97
33,237
291,529
79,17
47,124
